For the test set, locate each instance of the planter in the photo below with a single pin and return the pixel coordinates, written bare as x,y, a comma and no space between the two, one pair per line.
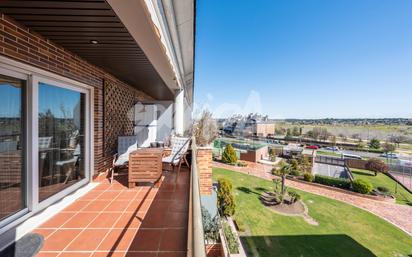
204,166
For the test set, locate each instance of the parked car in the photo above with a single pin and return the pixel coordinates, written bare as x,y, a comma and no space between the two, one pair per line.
389,155
315,147
333,148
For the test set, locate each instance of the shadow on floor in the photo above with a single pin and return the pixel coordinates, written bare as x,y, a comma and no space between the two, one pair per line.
304,246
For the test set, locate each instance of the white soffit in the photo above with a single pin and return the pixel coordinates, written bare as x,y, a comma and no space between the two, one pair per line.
138,20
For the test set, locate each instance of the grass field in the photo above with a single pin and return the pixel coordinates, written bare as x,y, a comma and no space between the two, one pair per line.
327,153
401,194
343,230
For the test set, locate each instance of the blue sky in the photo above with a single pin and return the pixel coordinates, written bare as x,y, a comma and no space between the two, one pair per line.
305,59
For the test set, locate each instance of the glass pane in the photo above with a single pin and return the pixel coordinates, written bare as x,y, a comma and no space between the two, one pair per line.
12,178
61,139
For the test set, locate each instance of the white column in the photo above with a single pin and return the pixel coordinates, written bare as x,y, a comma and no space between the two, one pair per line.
179,113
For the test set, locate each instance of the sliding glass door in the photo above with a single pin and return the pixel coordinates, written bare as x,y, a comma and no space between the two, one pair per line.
45,140
61,135
12,146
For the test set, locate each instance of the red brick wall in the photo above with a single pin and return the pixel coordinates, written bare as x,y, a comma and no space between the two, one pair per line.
204,165
24,45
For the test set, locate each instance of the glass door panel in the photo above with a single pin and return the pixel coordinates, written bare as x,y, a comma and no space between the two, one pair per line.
12,146
61,125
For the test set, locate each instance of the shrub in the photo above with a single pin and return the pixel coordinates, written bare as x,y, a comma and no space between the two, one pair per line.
229,155
362,186
374,143
294,196
294,165
376,165
225,200
242,164
231,239
308,177
294,173
335,182
383,189
211,226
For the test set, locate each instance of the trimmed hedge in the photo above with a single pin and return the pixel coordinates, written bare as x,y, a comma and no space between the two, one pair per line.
362,186
335,182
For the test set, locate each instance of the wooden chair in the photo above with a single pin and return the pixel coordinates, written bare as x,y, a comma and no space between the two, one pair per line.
145,165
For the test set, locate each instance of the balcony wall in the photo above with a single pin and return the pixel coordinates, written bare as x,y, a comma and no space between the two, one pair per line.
22,44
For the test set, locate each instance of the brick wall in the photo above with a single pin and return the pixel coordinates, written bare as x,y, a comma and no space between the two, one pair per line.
204,165
24,45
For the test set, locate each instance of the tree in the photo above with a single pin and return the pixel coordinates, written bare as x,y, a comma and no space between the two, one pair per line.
225,200
284,170
388,147
343,137
295,131
305,165
376,165
398,139
229,155
288,132
333,140
374,143
356,136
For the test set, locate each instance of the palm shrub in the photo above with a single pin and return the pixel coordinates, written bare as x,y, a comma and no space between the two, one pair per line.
376,165
294,196
225,200
362,186
308,177
229,155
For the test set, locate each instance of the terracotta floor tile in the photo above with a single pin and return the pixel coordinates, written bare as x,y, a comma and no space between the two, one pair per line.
146,240
174,240
129,220
81,220
88,240
117,205
60,239
127,195
47,254
105,220
117,240
57,220
108,195
92,195
140,254
97,205
76,206
44,232
75,254
154,220
175,219
107,254
134,204
172,254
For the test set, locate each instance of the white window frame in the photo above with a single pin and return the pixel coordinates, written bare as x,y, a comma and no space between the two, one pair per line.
33,76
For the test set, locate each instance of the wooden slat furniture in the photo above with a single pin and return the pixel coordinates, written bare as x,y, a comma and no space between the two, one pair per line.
145,165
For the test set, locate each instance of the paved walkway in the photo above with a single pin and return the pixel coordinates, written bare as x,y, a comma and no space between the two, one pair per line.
399,215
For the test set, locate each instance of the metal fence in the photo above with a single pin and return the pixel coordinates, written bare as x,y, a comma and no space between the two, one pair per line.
330,160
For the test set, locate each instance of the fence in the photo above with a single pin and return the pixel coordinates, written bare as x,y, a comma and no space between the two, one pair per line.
330,160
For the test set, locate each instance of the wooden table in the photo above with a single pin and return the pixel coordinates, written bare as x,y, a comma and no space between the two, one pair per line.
145,165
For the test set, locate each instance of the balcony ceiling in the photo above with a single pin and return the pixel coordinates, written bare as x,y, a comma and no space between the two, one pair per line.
75,24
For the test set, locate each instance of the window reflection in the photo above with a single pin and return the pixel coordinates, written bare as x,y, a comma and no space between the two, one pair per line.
12,179
61,139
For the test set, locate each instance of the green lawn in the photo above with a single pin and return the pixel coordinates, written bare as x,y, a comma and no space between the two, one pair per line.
402,196
343,230
327,153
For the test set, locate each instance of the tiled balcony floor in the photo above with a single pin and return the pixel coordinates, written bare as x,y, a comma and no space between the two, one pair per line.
112,220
